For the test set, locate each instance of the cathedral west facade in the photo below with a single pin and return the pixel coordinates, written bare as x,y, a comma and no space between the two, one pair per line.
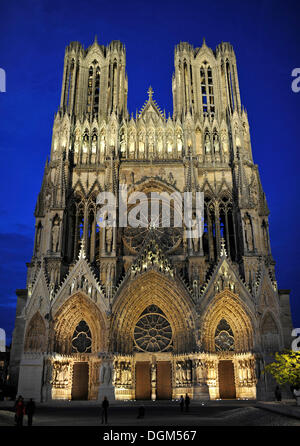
148,313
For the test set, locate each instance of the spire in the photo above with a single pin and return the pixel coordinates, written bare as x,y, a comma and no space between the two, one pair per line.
223,252
150,93
95,39
82,250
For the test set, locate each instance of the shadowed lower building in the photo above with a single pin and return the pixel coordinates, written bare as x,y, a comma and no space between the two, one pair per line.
148,313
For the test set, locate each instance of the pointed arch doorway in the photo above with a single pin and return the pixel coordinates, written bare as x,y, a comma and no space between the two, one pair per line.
80,381
226,380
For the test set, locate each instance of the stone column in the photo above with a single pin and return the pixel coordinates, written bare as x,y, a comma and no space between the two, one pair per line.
153,381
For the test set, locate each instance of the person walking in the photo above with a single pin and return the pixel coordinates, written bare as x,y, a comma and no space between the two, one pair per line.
20,409
181,403
278,393
30,409
187,402
105,405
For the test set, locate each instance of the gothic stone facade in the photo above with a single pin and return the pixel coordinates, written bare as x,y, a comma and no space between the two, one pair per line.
148,313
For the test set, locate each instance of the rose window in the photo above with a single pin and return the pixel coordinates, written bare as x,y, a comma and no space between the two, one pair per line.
153,332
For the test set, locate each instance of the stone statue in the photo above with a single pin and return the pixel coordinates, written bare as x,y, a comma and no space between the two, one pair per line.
55,236
207,144
184,372
105,373
216,144
94,144
248,234
38,238
109,237
153,373
179,373
189,371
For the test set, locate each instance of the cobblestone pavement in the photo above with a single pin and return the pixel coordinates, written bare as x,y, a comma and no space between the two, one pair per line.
156,415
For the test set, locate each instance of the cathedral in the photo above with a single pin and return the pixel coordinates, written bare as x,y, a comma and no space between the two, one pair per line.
137,313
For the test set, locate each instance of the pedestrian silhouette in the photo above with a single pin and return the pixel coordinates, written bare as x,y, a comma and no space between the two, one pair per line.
187,402
105,405
30,409
181,403
20,410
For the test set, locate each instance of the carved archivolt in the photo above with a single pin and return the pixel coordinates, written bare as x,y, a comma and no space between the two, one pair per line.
35,339
76,309
153,288
227,305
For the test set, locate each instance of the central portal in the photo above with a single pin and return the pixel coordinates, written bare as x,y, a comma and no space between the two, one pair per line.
226,380
80,381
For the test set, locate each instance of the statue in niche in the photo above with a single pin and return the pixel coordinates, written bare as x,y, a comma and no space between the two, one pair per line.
184,371
151,143
55,236
38,238
248,234
48,199
117,369
189,371
207,144
200,371
179,375
132,177
216,144
94,144
179,143
153,373
109,237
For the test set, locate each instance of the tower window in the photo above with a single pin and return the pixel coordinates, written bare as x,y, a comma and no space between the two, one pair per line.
93,93
207,89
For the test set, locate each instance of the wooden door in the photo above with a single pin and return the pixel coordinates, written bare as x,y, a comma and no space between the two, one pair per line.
164,380
80,381
226,380
142,381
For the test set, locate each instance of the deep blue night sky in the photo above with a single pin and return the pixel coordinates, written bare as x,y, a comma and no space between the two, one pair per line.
266,39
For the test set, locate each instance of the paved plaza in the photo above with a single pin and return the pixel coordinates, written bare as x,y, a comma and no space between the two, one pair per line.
212,413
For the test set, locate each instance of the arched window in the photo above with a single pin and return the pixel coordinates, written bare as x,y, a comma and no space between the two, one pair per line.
218,222
229,85
82,338
153,332
207,89
93,93
96,92
90,90
224,337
